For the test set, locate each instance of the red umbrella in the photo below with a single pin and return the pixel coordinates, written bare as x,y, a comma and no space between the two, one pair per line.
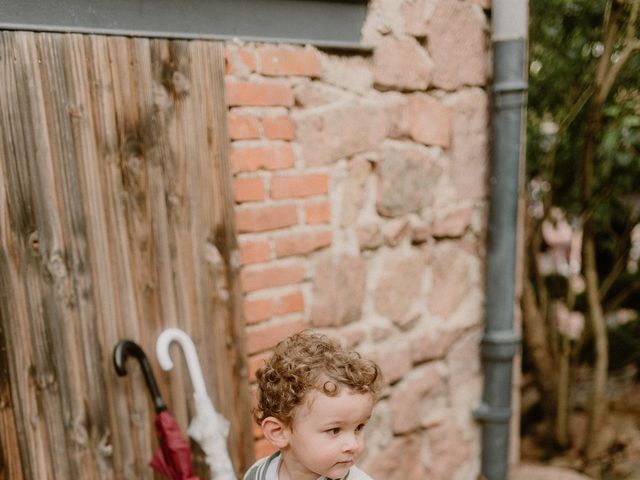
173,457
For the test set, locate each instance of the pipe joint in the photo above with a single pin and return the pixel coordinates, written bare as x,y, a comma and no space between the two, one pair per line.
511,86
487,414
500,345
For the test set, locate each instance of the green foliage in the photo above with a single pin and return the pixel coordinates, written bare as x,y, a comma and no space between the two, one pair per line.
565,48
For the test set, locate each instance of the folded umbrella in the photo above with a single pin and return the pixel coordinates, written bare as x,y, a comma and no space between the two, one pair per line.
173,457
208,427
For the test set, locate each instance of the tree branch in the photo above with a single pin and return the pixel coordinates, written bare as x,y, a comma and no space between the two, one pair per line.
619,299
631,43
613,72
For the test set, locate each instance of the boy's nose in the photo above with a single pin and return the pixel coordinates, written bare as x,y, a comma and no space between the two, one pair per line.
351,444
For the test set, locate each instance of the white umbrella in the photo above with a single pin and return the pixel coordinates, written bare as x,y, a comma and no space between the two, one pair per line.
208,427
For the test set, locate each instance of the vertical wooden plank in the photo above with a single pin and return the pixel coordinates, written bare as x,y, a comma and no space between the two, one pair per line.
110,266
128,196
38,270
167,62
87,86
219,253
72,334
10,464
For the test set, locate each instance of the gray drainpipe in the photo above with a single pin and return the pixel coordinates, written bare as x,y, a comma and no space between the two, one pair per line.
500,341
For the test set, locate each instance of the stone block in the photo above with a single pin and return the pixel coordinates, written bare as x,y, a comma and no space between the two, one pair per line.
464,365
314,94
354,190
449,451
432,344
384,18
457,43
369,235
416,15
336,131
392,358
429,121
451,281
338,290
453,224
402,64
416,399
396,230
399,286
469,143
351,73
407,176
400,460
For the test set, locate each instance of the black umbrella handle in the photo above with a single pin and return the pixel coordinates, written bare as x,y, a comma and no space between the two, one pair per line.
123,350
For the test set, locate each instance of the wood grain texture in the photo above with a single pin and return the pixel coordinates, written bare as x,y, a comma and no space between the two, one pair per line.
116,222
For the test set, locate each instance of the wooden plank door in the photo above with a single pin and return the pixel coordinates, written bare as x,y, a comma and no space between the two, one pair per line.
115,222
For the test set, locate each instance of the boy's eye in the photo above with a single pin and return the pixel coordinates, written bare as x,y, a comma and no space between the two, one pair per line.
360,427
334,431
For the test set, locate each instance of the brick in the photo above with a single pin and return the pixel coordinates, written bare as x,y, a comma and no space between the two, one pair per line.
255,362
243,127
297,186
265,336
258,310
281,61
238,59
316,213
270,157
302,243
279,128
248,189
266,218
260,277
258,94
254,251
293,302
228,66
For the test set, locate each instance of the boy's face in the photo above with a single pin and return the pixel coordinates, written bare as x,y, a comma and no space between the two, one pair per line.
326,436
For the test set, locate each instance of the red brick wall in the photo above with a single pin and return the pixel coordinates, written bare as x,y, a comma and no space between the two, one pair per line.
282,208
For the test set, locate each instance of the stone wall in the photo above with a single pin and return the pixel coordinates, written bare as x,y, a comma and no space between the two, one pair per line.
360,183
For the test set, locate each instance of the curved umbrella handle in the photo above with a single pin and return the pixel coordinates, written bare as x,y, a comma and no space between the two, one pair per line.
127,348
190,354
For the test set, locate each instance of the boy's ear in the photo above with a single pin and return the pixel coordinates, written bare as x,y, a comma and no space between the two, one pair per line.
276,432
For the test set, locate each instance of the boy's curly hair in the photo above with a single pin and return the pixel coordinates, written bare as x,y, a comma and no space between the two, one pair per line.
308,361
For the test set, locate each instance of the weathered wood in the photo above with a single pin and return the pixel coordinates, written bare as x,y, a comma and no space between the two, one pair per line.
226,296
116,222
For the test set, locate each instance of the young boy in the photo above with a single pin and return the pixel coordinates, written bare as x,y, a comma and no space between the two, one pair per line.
314,399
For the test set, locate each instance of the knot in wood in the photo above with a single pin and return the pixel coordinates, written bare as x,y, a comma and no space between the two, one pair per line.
105,449
181,84
56,266
79,435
